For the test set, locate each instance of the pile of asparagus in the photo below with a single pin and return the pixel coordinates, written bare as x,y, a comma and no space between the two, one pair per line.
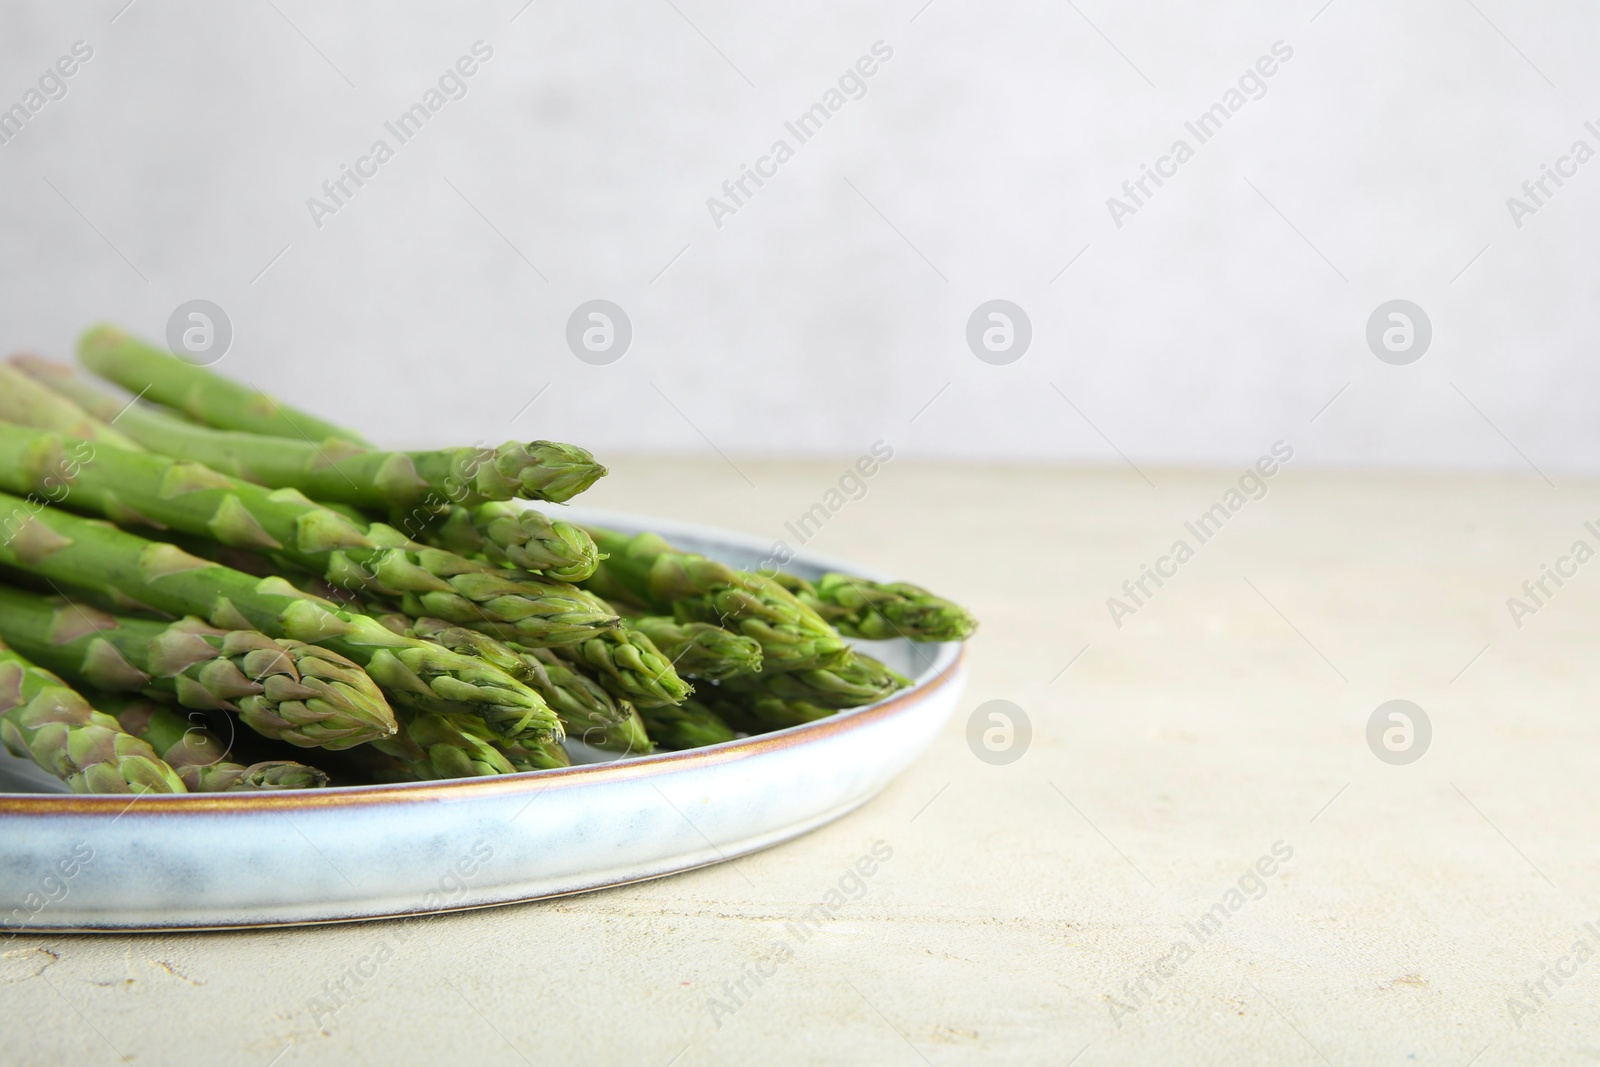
193,575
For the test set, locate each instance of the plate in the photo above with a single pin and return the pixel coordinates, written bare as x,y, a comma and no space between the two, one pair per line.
206,861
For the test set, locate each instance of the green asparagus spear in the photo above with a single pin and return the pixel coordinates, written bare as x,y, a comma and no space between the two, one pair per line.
65,548
432,746
586,710
760,713
43,720
858,607
285,690
143,488
203,395
863,680
345,473
531,611
590,713
458,639
28,403
757,703
198,755
535,756
630,666
699,649
647,571
687,725
511,536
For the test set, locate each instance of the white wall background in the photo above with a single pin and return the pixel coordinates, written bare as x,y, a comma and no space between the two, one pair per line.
832,308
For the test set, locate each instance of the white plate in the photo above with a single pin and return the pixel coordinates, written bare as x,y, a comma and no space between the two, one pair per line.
70,862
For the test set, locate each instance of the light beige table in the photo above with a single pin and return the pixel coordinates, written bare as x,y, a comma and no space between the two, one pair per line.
1031,913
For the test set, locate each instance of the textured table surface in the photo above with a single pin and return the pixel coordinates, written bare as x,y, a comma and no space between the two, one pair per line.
1048,910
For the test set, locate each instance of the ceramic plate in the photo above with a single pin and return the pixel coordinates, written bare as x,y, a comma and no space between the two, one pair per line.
70,862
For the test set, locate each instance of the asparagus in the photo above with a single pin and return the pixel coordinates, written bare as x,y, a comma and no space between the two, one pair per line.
859,607
341,472
433,746
759,713
775,701
700,650
201,394
142,488
628,665
687,725
586,710
647,571
459,639
530,611
507,535
69,549
288,691
199,756
535,756
864,680
590,713
26,402
43,720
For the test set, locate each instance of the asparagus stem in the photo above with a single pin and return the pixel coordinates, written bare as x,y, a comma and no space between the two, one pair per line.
143,488
28,403
432,746
760,713
590,713
69,549
629,666
198,755
459,639
587,711
699,649
758,703
346,473
687,725
535,756
43,720
647,571
530,611
201,394
863,680
510,536
285,690
859,607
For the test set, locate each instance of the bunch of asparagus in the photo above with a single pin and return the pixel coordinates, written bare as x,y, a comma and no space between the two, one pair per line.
202,574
